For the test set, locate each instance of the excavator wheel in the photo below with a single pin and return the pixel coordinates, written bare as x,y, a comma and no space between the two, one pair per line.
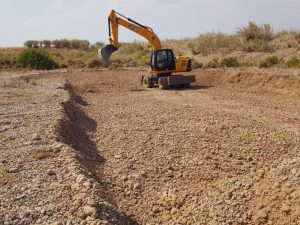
163,83
147,83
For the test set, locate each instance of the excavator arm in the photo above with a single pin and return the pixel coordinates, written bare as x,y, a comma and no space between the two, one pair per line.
114,21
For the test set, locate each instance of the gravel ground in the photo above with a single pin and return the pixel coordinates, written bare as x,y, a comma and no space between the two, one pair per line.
43,179
225,151
94,147
29,110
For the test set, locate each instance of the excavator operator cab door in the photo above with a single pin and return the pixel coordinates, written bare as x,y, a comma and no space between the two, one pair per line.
163,60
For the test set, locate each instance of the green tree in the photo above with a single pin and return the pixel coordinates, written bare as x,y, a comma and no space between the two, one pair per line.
46,43
65,43
56,43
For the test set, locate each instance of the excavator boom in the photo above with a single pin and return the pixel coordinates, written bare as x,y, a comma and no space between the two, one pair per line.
114,21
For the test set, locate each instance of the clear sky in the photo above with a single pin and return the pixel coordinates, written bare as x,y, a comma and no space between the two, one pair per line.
21,20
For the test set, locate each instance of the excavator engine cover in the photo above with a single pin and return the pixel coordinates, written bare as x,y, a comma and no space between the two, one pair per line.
106,52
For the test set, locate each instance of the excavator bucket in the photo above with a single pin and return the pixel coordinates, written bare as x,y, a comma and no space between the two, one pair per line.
106,52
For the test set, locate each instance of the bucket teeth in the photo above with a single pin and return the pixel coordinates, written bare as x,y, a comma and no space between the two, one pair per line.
106,52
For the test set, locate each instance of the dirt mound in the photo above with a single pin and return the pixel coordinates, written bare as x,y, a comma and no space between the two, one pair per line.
278,80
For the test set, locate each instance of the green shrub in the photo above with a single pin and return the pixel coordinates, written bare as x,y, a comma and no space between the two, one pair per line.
269,62
229,62
256,32
293,62
35,59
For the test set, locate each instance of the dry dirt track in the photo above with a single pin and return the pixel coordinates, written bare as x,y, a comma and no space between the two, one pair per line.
223,152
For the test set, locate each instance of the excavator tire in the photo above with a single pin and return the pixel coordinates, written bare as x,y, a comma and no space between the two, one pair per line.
163,83
147,83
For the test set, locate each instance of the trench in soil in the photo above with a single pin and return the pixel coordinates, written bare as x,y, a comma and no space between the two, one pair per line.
74,131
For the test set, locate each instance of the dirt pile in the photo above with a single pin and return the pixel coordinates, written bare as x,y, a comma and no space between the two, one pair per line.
286,81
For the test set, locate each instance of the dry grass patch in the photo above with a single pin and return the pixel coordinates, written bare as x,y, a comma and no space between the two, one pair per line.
210,43
33,82
229,62
136,89
44,155
293,62
269,62
5,177
27,122
257,32
52,124
28,80
13,94
214,63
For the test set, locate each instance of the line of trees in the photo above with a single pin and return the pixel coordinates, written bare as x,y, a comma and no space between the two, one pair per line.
63,43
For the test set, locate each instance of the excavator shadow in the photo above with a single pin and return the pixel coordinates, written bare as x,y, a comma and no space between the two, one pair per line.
193,88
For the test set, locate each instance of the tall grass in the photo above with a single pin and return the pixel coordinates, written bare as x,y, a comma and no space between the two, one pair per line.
258,45
132,54
8,60
256,38
211,42
255,32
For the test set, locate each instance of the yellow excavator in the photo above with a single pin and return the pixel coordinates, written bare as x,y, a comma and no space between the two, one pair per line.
164,65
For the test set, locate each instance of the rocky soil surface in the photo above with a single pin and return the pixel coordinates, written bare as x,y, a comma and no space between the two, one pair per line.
225,151
94,147
42,177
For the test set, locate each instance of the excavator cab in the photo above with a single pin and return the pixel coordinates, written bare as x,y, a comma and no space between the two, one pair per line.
163,60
